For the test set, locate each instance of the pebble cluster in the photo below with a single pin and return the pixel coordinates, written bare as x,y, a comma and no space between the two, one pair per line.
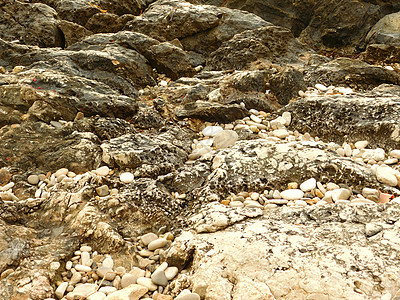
95,277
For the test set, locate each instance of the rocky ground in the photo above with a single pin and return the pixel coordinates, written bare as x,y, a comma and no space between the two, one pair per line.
246,149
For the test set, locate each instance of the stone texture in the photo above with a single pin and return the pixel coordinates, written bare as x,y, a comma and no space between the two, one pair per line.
132,292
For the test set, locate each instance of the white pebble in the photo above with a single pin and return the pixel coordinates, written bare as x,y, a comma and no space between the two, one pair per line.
308,185
102,171
321,87
292,194
126,177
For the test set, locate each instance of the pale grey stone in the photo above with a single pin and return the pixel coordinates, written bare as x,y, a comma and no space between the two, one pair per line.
225,139
147,282
106,272
211,130
33,179
158,243
308,185
148,238
61,290
128,279
159,278
292,194
171,272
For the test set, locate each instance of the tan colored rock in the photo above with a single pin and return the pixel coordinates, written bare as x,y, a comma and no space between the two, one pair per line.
132,292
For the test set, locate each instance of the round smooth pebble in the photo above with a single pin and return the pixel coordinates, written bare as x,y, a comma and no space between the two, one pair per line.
340,194
105,272
62,171
76,277
191,296
361,144
156,244
225,138
147,282
126,177
33,179
107,289
85,248
171,272
255,119
308,185
128,279
61,290
287,116
280,133
82,268
347,150
159,278
386,175
85,257
108,262
148,238
102,171
292,194
102,190
300,203
321,87
211,130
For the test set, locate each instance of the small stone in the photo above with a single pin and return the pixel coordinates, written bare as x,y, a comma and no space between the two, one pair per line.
386,175
372,229
293,185
158,296
106,272
61,290
391,161
126,177
76,277
308,185
395,154
7,187
371,194
347,150
82,290
68,265
211,130
280,133
97,296
81,268
300,203
108,262
56,124
252,204
332,186
236,204
340,151
189,296
321,87
361,144
340,194
131,292
255,118
225,138
5,176
120,271
159,278
128,279
86,248
79,116
6,273
85,257
102,191
287,116
147,282
254,196
148,238
102,171
62,171
18,69
171,272
137,272
158,243
277,201
2,70
107,289
33,179
276,195
292,194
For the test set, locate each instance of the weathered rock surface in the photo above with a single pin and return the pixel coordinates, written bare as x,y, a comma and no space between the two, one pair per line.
362,117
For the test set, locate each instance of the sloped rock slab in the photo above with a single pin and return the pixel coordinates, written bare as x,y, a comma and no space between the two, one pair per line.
350,72
373,117
133,151
255,165
303,253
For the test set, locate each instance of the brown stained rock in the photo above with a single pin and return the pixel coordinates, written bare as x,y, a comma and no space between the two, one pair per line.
73,32
5,176
382,54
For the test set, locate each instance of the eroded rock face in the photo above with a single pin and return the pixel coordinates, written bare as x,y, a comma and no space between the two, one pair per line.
352,117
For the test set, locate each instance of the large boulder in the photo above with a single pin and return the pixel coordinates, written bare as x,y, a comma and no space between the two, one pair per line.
30,23
271,43
350,72
341,23
385,31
